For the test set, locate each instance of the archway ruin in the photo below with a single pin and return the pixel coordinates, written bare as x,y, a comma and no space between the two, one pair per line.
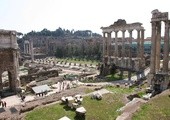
9,54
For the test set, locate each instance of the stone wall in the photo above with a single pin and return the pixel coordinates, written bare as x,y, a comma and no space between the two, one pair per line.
25,79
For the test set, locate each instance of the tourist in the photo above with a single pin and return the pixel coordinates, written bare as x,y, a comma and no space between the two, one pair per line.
4,104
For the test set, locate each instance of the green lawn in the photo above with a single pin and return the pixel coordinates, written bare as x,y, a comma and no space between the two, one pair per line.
156,109
119,90
114,77
104,109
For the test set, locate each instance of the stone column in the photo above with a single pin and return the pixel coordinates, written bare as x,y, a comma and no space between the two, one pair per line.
142,49
28,49
109,47
130,54
166,48
153,48
116,46
104,44
123,64
130,48
24,48
123,43
138,43
32,51
1,86
158,46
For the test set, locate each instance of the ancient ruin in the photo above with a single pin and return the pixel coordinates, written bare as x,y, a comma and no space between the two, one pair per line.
28,48
159,70
9,59
118,51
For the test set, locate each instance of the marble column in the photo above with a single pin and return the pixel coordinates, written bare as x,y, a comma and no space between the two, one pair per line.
130,54
166,48
1,86
32,51
142,44
130,48
104,44
24,48
142,49
123,43
153,48
109,47
104,49
138,43
116,46
158,46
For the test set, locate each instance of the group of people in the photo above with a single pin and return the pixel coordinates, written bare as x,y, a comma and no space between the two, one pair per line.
3,103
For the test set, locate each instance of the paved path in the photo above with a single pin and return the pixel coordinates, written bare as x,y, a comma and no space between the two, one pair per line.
130,108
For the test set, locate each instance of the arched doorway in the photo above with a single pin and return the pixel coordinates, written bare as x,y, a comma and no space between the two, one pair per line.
6,83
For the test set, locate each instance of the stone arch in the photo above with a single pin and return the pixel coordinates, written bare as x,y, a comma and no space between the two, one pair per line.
9,58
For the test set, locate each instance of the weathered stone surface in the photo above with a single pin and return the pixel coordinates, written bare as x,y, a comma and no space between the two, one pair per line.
9,58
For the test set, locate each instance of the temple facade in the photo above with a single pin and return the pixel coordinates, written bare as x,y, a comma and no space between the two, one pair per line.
119,51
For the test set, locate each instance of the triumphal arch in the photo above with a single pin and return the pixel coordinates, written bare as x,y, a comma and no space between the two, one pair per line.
159,76
119,50
9,54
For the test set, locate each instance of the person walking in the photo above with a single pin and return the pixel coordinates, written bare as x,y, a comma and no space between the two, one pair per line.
4,104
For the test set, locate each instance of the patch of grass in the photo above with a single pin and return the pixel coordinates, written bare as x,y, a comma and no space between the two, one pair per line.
156,109
104,109
50,113
141,93
120,90
113,77
88,91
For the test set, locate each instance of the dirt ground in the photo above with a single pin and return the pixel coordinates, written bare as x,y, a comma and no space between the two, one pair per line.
17,112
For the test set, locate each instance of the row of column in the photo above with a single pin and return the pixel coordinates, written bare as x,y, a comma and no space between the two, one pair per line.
28,49
156,47
107,45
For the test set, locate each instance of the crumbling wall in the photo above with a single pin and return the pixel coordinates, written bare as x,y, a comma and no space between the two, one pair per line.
25,79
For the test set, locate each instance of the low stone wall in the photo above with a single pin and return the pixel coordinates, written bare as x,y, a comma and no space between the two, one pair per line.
25,79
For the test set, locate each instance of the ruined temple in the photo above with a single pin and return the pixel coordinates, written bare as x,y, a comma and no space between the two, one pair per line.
159,77
118,51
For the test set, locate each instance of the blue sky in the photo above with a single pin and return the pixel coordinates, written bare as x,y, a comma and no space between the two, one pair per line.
26,15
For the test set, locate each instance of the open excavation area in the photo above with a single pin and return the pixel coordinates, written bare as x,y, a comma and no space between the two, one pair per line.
122,74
